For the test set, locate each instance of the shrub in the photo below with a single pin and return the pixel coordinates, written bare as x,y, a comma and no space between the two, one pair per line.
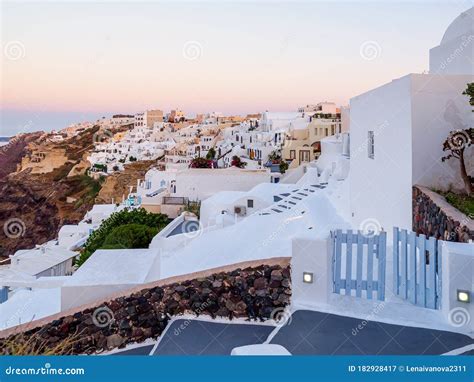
237,162
130,236
100,167
201,163
137,216
211,154
283,167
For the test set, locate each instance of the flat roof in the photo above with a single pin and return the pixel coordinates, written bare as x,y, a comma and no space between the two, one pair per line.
114,266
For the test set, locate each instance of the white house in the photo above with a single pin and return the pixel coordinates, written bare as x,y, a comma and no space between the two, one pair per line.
227,207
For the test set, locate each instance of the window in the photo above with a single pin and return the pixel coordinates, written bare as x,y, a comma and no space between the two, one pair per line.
304,156
370,145
250,203
327,131
292,154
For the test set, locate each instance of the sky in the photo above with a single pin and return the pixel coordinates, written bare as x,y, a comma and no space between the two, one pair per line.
66,62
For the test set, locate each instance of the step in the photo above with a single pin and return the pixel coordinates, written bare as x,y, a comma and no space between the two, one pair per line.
289,201
278,211
295,197
281,205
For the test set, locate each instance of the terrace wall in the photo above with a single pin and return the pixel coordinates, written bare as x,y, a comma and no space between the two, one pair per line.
253,290
434,216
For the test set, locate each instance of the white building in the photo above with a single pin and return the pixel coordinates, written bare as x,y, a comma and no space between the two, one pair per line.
227,207
397,133
454,55
320,108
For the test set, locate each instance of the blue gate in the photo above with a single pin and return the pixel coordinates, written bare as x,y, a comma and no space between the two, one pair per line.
359,263
416,268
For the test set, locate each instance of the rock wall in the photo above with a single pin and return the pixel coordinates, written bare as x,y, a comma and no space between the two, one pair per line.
434,216
257,293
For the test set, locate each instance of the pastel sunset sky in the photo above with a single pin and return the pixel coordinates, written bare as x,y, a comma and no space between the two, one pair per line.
64,62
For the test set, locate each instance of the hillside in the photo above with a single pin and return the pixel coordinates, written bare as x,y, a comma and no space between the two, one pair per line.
37,200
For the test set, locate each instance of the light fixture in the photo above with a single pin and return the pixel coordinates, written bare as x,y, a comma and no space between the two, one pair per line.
307,277
463,296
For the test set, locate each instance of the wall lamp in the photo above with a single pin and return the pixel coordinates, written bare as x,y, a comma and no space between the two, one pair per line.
307,277
463,296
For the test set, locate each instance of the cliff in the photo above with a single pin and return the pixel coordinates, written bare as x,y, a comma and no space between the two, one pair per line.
45,192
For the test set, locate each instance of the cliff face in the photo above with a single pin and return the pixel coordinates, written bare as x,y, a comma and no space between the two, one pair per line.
12,153
118,185
34,204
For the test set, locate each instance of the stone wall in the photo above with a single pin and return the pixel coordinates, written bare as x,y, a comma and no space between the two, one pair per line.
434,216
257,293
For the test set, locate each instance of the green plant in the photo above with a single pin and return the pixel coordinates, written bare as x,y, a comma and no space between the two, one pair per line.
470,93
137,216
274,157
211,154
130,236
463,203
100,167
283,167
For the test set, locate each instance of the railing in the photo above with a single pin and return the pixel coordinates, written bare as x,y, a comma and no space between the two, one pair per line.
175,200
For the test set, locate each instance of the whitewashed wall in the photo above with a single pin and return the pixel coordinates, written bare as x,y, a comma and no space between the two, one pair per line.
199,184
439,107
380,188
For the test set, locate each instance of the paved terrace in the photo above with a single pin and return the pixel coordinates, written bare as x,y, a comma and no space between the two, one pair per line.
306,333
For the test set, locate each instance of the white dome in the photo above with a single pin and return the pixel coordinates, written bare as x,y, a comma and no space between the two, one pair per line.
462,25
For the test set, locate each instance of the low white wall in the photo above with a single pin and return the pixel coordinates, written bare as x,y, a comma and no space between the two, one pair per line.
73,296
293,175
199,184
457,273
314,256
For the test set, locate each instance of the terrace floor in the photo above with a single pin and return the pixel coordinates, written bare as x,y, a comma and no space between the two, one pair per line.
305,333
